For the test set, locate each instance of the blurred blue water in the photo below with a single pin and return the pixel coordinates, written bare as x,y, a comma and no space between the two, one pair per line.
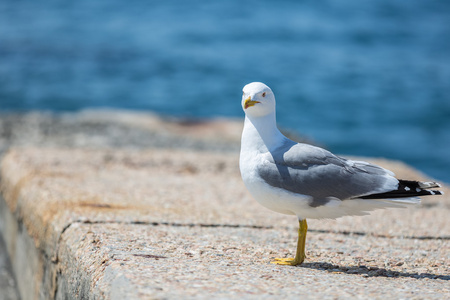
360,77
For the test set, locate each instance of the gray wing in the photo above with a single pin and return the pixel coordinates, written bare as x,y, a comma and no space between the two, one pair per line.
313,171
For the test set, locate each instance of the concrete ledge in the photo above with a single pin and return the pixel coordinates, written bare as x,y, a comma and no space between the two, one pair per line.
116,224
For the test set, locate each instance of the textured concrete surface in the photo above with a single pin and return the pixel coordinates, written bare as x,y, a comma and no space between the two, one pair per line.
104,129
138,223
117,129
8,290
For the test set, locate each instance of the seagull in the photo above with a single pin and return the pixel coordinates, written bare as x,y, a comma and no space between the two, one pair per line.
307,181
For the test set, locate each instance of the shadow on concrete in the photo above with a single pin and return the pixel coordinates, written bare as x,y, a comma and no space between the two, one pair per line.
360,233
370,271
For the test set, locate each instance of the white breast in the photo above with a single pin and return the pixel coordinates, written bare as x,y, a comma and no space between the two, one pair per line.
272,198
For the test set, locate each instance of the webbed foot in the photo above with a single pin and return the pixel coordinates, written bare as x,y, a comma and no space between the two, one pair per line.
288,261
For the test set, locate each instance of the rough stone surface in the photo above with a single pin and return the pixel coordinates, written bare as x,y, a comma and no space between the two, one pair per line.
94,222
8,290
117,129
104,129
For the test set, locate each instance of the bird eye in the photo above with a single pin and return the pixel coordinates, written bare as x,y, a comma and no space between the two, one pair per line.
264,94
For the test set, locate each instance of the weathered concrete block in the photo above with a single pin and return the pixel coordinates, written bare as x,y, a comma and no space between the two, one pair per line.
110,224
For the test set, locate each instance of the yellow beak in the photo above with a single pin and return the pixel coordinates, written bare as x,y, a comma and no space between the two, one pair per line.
248,102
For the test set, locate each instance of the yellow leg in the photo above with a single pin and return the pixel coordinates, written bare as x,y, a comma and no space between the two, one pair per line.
300,254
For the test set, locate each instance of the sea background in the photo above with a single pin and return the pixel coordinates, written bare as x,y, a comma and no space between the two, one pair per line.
368,78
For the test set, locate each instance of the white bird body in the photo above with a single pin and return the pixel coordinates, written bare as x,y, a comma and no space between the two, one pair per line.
254,153
304,180
307,181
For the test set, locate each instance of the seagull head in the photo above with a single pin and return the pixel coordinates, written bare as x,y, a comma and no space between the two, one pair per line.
258,99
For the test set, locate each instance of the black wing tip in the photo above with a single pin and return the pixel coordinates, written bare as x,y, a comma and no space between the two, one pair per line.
409,188
435,192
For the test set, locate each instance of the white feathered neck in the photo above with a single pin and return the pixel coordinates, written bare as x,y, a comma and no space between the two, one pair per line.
261,133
